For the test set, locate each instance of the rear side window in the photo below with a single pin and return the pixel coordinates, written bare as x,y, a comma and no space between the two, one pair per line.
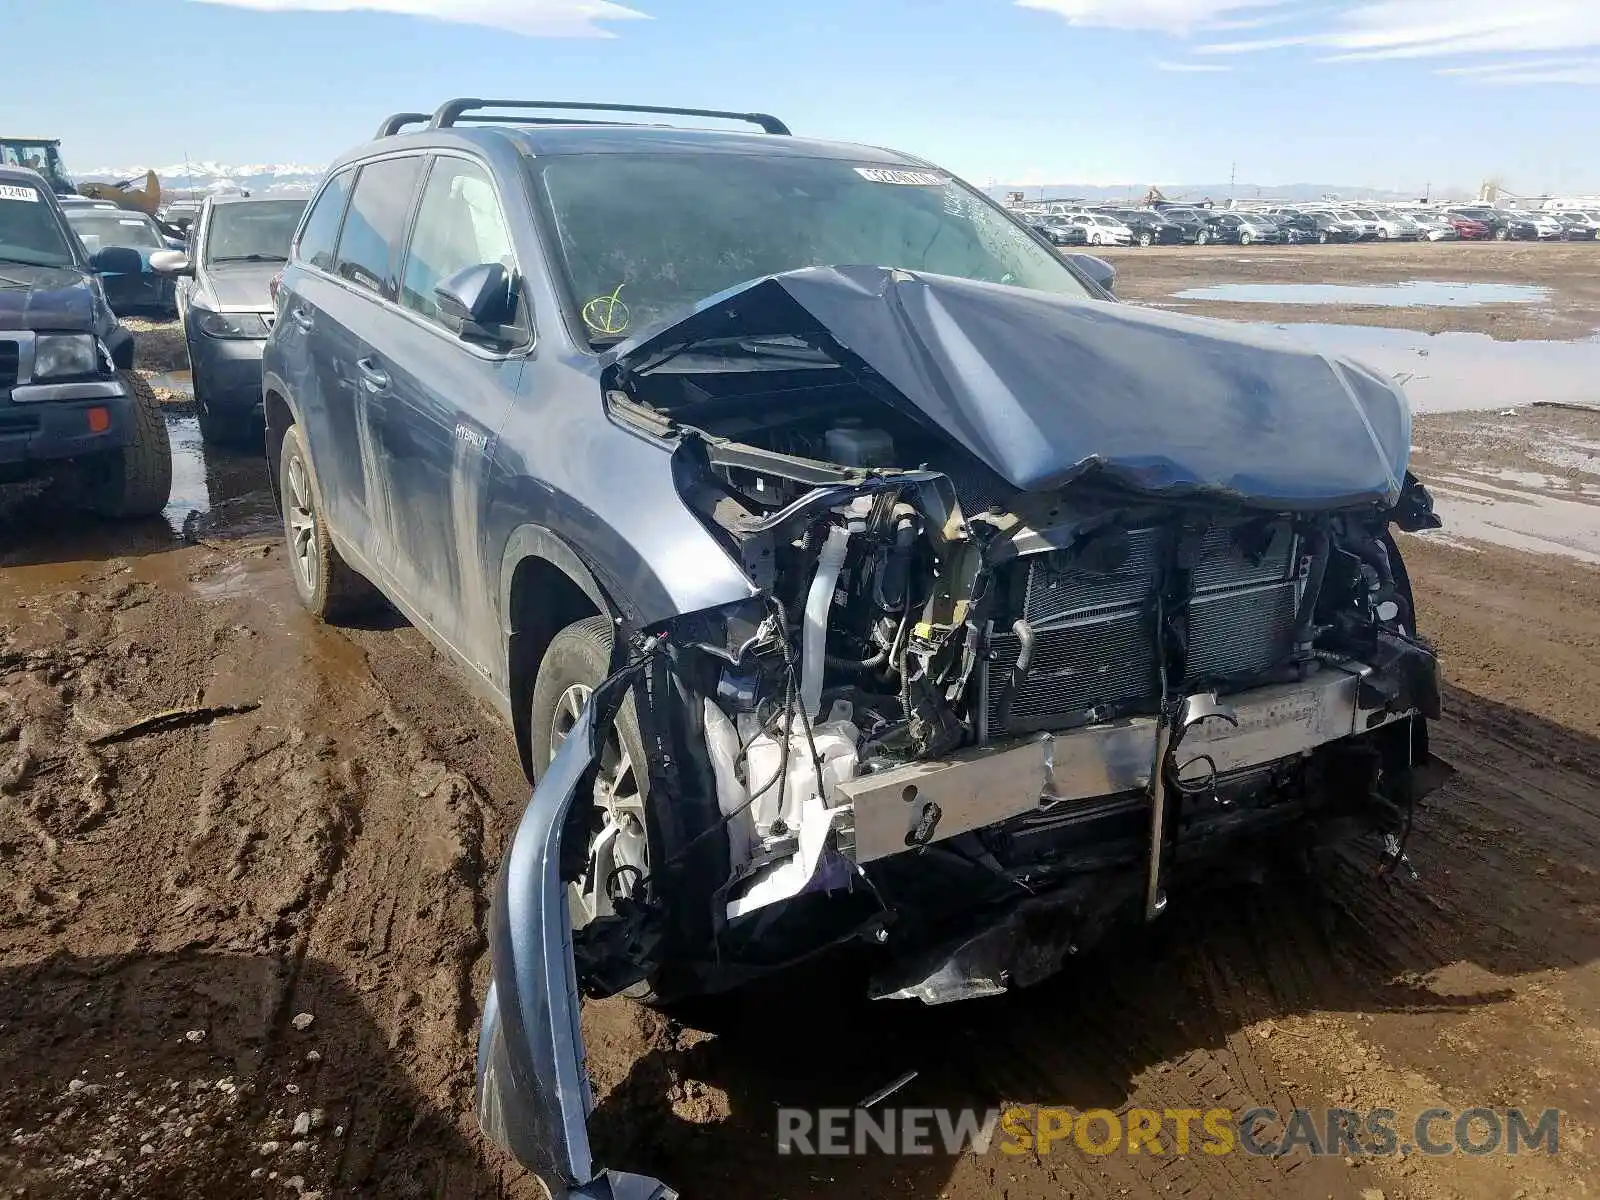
321,232
459,225
375,225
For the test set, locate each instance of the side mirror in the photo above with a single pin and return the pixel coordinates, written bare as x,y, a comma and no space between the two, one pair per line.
1099,271
116,260
478,302
171,262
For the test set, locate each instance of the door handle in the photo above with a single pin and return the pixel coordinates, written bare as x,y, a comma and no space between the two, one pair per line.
301,318
373,378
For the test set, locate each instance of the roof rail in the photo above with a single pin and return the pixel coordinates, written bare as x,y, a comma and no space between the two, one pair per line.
452,111
393,125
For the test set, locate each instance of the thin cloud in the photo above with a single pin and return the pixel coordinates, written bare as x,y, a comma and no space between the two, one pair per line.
1501,31
531,18
1163,64
1531,64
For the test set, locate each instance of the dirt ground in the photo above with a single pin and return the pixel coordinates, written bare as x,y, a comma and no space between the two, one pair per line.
242,946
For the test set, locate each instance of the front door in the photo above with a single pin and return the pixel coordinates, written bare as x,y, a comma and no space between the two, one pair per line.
435,403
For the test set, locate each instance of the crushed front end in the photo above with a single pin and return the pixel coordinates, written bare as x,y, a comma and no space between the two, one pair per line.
998,687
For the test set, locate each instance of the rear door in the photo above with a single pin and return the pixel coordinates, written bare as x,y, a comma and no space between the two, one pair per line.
351,311
319,350
440,407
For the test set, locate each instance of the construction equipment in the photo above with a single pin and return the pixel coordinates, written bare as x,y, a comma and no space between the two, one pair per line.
44,156
124,195
38,154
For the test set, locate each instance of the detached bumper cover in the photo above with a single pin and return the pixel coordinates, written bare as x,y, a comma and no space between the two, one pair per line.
534,1097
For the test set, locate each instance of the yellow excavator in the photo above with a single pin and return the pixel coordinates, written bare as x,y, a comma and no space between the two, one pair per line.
44,156
124,195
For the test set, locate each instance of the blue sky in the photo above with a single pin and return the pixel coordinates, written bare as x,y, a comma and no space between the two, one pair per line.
1381,93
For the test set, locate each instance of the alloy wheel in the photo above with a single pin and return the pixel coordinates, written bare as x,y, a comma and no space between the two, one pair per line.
300,516
620,846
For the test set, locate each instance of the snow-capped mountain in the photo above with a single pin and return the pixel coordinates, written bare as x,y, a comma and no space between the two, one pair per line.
178,179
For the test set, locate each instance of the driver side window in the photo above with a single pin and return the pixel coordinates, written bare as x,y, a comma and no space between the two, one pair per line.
459,224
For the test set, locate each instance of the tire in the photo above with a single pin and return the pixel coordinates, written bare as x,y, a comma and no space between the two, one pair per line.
1383,234
1246,237
135,481
1502,234
1095,240
329,587
1202,238
1145,239
1322,237
578,659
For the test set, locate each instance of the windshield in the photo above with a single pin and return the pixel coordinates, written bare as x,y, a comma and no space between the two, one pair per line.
29,231
657,234
112,228
254,231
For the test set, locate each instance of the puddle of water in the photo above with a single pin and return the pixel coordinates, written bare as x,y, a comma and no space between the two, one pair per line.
1418,293
1519,520
180,382
216,493
1454,372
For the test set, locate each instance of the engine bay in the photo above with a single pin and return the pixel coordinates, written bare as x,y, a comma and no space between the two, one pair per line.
914,606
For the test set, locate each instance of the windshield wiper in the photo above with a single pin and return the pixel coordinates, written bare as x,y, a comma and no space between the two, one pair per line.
222,258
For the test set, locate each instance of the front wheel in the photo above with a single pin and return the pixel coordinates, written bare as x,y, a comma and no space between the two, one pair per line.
1145,239
620,850
1501,234
1095,240
135,481
1246,237
1383,234
1202,238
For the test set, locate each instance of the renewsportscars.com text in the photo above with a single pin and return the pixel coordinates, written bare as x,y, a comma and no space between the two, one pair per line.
1256,1131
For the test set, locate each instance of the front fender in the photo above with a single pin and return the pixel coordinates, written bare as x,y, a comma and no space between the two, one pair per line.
534,1097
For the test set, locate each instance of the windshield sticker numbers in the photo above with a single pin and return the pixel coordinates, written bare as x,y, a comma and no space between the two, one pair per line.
607,314
10,191
903,178
129,221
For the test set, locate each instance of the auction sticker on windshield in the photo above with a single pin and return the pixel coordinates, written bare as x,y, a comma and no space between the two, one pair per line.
905,178
10,191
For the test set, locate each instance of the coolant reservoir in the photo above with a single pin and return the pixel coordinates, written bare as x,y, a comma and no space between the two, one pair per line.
851,444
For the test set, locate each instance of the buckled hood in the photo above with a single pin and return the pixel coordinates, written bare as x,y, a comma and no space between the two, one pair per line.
1048,389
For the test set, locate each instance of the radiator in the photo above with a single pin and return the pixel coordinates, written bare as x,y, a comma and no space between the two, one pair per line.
1094,626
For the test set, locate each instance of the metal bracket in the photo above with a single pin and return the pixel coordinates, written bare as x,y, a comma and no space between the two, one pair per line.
1184,714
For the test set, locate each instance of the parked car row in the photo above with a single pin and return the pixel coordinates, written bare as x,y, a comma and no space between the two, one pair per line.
1296,224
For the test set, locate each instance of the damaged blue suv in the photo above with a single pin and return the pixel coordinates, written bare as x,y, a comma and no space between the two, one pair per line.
849,566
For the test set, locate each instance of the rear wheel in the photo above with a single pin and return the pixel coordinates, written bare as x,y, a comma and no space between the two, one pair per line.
1145,239
1095,240
135,481
1246,237
326,584
1502,234
1202,238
